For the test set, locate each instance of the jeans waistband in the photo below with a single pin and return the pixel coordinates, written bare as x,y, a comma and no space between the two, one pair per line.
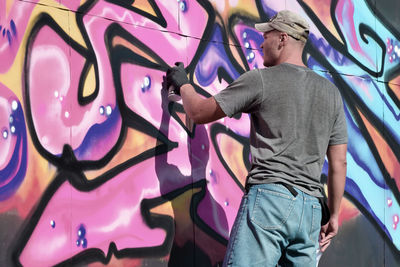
288,187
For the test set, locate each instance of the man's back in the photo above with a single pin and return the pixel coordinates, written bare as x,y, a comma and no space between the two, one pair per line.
295,115
299,115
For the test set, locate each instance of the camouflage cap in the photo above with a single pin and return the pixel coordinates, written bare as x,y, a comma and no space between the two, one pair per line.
288,22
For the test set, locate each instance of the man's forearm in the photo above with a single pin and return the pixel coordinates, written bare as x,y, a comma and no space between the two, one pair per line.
190,100
199,109
336,183
336,176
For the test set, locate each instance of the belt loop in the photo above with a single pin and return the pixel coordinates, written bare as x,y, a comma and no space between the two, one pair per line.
246,188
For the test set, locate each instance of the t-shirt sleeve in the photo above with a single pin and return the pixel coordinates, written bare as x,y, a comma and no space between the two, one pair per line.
242,95
339,130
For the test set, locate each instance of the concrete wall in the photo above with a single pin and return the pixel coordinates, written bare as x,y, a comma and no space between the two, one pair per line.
97,168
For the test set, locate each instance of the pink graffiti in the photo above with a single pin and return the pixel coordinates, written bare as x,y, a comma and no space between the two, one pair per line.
13,147
7,140
345,12
119,198
59,86
389,202
13,24
172,38
54,72
71,4
395,221
54,96
254,56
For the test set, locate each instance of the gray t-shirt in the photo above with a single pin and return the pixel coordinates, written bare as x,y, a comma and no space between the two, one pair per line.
295,115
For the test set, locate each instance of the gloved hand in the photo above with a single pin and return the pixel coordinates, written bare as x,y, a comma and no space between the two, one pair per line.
177,77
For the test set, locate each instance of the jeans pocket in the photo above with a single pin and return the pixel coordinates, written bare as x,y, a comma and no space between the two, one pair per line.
271,208
316,221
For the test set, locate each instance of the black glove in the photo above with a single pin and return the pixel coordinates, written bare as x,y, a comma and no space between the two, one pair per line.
177,77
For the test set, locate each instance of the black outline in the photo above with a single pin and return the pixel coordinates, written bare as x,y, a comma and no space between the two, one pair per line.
218,128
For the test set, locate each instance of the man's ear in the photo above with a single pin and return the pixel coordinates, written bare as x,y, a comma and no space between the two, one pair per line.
283,37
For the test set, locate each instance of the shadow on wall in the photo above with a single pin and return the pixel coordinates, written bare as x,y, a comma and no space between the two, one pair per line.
191,245
359,244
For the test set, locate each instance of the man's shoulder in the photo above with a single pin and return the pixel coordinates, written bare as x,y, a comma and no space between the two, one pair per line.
320,77
252,73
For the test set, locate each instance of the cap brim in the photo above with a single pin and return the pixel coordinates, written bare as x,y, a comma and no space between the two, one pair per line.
264,27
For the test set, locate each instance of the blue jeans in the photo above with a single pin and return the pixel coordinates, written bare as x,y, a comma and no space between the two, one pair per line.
274,226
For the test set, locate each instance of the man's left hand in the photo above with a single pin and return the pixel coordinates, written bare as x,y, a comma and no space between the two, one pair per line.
328,232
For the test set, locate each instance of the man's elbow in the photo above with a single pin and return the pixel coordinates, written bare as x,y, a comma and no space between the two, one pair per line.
198,118
338,165
337,155
205,111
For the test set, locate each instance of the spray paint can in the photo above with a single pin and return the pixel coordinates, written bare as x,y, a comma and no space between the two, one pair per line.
172,94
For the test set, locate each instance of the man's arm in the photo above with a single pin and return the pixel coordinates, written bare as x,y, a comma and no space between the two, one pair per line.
200,110
336,181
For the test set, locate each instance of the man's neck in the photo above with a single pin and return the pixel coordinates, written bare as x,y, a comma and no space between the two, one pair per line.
296,61
292,55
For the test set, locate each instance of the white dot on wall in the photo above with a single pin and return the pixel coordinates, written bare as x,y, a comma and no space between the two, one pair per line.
5,134
146,81
14,105
12,129
66,114
182,5
61,98
56,94
11,119
108,110
101,110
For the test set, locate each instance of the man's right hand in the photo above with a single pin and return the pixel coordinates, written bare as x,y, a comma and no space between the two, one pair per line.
177,76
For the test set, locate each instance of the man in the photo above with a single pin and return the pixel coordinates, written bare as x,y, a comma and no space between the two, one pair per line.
297,118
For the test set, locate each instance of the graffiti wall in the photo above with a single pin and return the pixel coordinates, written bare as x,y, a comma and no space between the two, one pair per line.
98,168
